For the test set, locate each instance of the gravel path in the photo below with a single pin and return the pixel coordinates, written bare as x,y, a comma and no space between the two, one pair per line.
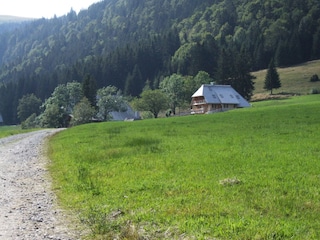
27,205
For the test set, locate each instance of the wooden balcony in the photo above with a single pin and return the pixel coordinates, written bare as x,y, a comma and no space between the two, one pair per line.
200,102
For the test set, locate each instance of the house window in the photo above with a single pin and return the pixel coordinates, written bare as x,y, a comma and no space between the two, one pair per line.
237,96
225,105
221,95
214,96
231,96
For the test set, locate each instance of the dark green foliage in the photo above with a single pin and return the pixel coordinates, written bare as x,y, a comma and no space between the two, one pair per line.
315,91
30,122
314,78
272,80
53,117
193,57
28,105
89,89
234,69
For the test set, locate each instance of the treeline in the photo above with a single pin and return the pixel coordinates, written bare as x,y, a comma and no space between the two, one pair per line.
125,43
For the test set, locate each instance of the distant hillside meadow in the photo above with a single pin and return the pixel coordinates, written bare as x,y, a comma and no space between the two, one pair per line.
294,79
244,174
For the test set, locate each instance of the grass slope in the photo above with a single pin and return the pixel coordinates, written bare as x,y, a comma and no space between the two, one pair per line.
6,131
295,79
244,174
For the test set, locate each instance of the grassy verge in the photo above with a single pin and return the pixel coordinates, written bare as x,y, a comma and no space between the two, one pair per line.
244,174
6,131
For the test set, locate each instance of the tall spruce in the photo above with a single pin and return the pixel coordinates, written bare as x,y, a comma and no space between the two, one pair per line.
234,69
272,80
89,89
243,80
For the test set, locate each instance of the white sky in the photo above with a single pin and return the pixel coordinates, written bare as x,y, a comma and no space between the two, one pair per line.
42,8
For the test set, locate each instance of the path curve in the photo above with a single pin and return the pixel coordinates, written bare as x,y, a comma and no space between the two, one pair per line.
28,207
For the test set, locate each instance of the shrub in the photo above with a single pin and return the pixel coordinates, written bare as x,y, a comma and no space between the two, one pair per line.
315,91
30,122
314,78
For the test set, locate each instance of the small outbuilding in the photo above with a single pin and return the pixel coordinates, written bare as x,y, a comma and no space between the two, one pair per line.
211,98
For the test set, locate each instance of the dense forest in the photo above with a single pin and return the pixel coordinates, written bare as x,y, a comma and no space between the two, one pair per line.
125,43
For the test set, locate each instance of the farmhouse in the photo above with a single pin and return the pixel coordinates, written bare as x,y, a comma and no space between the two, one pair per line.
210,98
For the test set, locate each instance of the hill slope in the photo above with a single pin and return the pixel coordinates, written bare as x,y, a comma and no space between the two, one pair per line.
262,29
126,43
294,80
9,23
7,18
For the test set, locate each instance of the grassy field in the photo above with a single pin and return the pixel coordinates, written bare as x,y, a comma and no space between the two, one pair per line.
6,131
244,174
295,79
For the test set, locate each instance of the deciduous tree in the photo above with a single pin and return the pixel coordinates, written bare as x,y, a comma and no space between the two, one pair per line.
28,105
60,105
83,112
109,99
52,117
151,100
172,86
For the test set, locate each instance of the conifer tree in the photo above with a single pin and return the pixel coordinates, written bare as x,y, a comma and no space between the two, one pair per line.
272,80
89,89
234,69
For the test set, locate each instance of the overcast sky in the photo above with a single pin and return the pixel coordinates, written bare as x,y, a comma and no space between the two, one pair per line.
42,8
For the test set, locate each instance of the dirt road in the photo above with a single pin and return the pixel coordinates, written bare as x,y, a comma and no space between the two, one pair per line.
28,207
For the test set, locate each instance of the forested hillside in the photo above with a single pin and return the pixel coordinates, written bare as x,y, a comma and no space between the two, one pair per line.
127,42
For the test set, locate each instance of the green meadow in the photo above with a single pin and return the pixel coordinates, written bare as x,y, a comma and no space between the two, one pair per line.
6,131
244,174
